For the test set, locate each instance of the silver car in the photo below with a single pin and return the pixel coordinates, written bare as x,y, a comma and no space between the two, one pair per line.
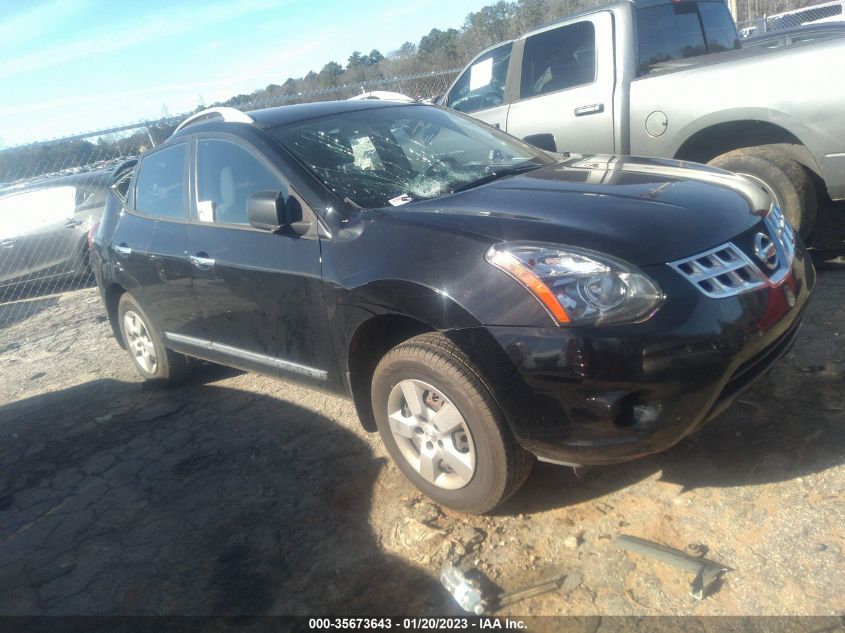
44,229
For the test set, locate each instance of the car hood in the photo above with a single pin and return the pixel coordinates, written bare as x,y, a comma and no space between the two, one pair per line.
643,210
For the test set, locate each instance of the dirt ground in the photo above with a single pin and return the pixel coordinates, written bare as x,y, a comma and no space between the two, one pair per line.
238,494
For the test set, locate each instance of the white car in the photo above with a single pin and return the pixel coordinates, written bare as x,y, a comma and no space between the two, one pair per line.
382,95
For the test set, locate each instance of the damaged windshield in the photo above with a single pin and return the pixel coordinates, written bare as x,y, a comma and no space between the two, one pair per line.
396,155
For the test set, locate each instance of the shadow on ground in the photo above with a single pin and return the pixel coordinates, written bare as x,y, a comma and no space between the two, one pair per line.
19,310
200,500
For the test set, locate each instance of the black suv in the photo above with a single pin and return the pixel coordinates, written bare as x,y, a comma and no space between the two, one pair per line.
481,301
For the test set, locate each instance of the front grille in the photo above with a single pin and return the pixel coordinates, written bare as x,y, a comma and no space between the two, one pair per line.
726,271
721,272
782,231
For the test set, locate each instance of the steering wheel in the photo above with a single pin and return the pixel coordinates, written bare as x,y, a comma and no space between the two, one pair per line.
492,99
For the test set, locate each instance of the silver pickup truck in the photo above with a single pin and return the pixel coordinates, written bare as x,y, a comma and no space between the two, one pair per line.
669,79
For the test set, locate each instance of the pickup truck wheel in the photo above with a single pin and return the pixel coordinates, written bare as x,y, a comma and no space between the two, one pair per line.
783,178
443,428
149,355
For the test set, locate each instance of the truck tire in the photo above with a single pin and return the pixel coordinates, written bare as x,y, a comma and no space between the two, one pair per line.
443,427
783,178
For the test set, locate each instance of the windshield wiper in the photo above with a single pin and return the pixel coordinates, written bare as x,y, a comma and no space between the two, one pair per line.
495,175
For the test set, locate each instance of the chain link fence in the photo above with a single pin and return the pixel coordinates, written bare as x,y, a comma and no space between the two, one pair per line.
52,193
815,14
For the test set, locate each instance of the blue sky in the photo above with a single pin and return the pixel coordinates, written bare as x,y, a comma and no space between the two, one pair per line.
70,66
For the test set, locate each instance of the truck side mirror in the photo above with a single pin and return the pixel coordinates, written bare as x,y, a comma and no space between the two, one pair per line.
543,141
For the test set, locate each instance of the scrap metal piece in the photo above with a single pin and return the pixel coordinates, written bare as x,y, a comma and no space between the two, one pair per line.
696,550
529,592
706,571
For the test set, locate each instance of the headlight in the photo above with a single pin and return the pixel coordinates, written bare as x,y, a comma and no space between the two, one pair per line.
578,286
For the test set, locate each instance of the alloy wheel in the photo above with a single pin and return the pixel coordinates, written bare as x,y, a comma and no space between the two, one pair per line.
431,434
139,342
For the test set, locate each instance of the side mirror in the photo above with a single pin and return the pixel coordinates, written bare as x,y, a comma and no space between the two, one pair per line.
543,141
266,210
271,211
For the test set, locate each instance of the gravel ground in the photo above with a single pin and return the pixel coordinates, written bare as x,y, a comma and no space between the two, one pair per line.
237,494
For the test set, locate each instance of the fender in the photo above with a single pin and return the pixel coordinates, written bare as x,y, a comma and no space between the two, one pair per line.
788,129
351,310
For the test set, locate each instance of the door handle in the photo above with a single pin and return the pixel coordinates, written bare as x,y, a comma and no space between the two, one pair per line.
72,224
497,126
7,243
123,249
202,261
594,108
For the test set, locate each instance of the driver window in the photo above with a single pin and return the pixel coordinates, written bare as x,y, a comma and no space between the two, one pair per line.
482,85
227,175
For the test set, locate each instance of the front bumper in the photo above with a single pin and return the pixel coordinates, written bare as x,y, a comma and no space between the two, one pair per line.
615,393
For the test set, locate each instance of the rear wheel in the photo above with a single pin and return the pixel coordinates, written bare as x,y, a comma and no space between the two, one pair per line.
443,428
149,355
82,265
784,179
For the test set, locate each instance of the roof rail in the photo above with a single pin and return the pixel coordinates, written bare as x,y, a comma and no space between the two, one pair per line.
222,113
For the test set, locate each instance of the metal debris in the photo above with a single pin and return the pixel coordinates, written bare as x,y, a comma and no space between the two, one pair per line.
696,550
706,571
530,591
465,591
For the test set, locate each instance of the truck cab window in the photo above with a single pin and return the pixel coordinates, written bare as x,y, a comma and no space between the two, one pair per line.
667,32
719,29
678,31
559,59
482,86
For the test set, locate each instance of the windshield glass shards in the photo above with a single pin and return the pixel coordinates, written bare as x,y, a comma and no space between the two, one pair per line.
397,155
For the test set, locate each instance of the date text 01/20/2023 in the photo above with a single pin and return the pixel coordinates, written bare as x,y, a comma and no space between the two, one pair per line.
410,624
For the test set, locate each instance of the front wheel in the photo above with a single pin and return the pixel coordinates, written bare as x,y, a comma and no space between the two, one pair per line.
443,428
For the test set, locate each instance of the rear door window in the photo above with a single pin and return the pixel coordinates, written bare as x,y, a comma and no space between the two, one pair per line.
227,175
160,185
559,59
482,85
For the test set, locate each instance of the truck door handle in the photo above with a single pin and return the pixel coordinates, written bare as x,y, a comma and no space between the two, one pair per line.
7,243
594,108
123,249
72,224
497,126
202,261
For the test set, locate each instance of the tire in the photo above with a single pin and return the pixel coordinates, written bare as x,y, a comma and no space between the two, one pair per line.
492,465
82,270
167,367
784,178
